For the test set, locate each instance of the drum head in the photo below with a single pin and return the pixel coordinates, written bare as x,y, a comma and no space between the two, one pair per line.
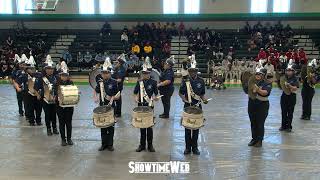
102,109
193,110
142,109
92,77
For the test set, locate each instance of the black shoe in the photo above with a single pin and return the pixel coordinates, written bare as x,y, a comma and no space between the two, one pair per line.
307,118
55,131
196,151
163,116
64,143
140,148
151,148
302,117
32,124
258,144
21,114
69,142
102,148
110,148
39,124
288,130
49,132
282,129
187,151
252,142
117,115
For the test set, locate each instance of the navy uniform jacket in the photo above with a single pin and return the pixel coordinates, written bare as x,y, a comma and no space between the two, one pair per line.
15,74
120,73
110,87
167,74
264,85
38,85
198,87
150,86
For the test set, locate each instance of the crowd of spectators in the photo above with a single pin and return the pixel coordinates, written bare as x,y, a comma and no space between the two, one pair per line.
264,36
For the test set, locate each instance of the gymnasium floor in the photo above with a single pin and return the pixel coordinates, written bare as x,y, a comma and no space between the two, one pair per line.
27,153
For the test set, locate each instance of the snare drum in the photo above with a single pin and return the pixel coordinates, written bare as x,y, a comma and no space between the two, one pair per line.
192,118
68,96
142,117
103,117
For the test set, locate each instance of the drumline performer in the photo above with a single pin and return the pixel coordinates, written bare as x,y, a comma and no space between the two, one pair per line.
308,91
119,75
258,107
20,67
192,92
25,84
166,87
109,91
288,100
45,87
145,93
64,113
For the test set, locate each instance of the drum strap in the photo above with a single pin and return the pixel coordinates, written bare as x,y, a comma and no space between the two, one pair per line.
143,94
47,82
191,93
31,89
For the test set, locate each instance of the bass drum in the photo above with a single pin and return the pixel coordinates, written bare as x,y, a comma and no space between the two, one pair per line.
142,117
92,77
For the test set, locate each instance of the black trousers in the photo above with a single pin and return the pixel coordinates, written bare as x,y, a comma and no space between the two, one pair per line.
107,134
166,101
146,134
191,136
65,121
258,112
288,103
32,107
307,95
50,115
117,106
20,101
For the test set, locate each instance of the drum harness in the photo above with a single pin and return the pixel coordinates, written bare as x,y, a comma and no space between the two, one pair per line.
190,94
33,79
144,95
50,87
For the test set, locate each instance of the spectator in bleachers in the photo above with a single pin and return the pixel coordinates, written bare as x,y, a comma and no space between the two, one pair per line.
99,58
106,29
190,50
289,54
166,49
124,40
66,55
247,28
135,49
87,59
236,43
9,42
231,52
148,50
262,55
80,63
302,56
219,54
181,29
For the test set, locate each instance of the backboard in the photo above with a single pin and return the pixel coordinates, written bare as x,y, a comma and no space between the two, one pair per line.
42,5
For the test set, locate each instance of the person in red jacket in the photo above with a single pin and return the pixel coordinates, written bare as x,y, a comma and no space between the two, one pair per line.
289,54
273,60
302,56
276,54
262,55
295,56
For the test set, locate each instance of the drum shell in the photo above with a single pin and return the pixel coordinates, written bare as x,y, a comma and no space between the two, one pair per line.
68,96
192,121
103,119
142,119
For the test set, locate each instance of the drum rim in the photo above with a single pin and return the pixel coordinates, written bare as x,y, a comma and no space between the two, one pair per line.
100,107
193,107
146,107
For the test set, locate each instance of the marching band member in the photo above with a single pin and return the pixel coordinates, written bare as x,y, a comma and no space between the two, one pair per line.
119,75
197,93
111,88
144,93
307,93
258,108
15,74
288,101
24,84
64,113
166,87
48,80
